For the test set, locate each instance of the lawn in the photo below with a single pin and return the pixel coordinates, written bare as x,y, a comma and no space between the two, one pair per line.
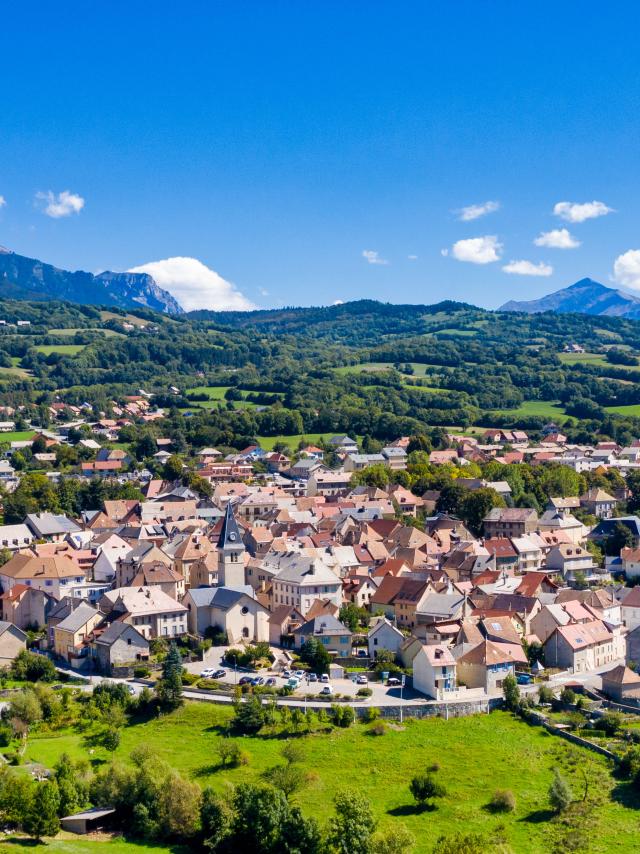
64,349
17,436
216,395
267,442
70,843
108,333
538,408
476,755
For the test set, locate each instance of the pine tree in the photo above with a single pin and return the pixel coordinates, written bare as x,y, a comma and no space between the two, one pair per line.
559,792
169,688
42,818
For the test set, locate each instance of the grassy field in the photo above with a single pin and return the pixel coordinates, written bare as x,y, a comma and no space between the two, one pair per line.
476,756
583,359
632,409
216,395
17,436
366,367
108,333
64,349
71,843
267,443
541,408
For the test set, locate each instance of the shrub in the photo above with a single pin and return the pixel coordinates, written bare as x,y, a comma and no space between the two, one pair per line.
425,787
511,693
370,714
559,793
435,766
189,678
231,754
364,692
568,696
378,728
503,800
31,667
545,694
611,722
141,672
249,716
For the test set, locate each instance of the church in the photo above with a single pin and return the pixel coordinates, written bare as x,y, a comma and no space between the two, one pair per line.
230,606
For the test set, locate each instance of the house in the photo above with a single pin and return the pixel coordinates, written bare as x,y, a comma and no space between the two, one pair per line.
568,560
51,527
357,462
14,537
630,608
329,631
606,527
599,503
328,483
282,623
54,574
70,636
434,671
235,611
584,646
25,607
621,684
510,522
488,664
384,635
506,556
151,611
343,445
630,562
304,579
157,573
13,641
529,553
119,645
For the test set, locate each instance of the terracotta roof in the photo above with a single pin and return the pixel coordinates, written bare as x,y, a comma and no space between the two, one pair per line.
489,653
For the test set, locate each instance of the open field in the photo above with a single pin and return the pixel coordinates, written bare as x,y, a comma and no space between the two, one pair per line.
108,333
71,843
128,318
216,395
268,442
540,408
583,359
633,409
476,756
17,436
65,349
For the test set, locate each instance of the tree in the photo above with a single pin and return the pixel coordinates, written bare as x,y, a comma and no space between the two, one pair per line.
249,716
169,688
31,667
620,538
476,505
172,468
559,792
289,778
42,818
511,693
216,816
315,655
351,615
178,807
425,787
353,825
260,813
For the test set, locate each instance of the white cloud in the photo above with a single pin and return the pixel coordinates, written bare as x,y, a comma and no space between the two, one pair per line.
477,250
194,285
579,212
558,238
3,201
626,269
60,204
373,257
412,257
263,292
528,268
472,212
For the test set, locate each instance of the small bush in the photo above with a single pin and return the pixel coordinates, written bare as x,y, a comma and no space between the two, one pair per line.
371,714
568,696
141,672
378,728
611,722
503,800
545,694
435,766
364,692
189,678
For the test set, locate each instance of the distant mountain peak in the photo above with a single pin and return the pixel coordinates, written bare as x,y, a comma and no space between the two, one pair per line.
30,279
583,297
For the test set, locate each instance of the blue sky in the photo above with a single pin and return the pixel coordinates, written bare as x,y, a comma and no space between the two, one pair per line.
276,142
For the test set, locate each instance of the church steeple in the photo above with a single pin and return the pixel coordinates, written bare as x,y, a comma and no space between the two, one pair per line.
230,552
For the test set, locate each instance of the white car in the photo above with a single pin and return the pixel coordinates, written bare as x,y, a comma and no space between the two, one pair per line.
207,673
327,690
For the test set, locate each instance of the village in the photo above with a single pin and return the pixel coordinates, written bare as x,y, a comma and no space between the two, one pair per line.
410,606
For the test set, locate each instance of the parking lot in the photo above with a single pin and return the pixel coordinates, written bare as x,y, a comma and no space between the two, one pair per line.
349,686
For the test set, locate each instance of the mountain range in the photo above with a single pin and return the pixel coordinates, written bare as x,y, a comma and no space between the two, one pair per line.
585,297
30,279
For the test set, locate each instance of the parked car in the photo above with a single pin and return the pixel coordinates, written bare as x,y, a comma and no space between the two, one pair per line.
300,674
131,690
362,679
363,653
326,691
257,680
393,680
523,679
245,680
293,683
324,678
270,682
286,674
207,673
313,677
218,674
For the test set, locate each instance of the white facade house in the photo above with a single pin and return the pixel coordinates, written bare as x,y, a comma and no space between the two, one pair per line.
434,671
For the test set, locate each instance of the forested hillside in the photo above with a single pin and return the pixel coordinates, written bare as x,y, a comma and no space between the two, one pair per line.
365,368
